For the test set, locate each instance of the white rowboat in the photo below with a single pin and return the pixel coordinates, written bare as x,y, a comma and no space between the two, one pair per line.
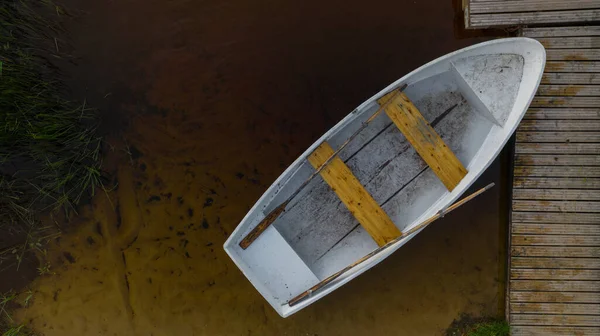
402,156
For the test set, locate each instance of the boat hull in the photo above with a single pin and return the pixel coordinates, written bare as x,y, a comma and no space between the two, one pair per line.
474,98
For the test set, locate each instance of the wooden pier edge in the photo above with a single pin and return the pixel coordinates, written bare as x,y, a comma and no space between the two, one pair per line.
553,280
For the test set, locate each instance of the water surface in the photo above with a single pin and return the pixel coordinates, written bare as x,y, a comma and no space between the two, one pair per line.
205,103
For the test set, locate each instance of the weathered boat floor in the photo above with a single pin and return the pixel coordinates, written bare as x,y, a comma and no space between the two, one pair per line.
554,286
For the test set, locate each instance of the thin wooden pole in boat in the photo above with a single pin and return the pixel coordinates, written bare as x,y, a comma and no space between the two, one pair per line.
274,214
420,226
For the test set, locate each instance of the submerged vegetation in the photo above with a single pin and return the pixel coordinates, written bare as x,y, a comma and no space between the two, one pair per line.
49,147
7,324
468,325
49,150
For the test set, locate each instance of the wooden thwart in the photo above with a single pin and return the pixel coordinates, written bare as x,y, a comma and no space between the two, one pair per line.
424,139
360,203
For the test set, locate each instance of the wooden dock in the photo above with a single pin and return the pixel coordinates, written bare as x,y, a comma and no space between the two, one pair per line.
554,259
506,13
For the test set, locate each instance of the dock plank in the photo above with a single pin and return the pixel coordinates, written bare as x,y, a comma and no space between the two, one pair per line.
482,7
558,101
570,78
555,285
555,274
573,54
360,203
561,31
580,42
559,125
557,206
556,194
546,136
556,171
556,148
557,183
556,251
562,113
555,240
555,262
555,308
554,320
515,19
568,90
555,217
557,160
555,229
554,331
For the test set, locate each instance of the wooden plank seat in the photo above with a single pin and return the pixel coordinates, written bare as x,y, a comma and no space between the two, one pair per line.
422,137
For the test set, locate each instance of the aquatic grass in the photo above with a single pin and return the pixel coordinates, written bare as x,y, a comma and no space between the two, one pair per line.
8,327
493,328
468,325
49,147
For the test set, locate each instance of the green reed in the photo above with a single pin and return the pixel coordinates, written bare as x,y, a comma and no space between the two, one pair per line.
49,147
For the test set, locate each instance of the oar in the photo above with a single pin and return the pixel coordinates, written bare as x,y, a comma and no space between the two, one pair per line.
274,214
420,226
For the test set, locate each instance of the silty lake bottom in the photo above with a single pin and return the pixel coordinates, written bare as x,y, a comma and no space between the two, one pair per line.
204,104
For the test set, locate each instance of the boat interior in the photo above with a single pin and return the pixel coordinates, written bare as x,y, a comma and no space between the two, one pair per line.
323,229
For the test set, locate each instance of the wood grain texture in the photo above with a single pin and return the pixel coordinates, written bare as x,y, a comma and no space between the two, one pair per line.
557,263
555,308
555,217
556,183
360,203
555,285
425,140
558,148
568,90
556,251
554,331
570,78
555,274
515,6
571,137
555,240
581,42
554,320
555,229
557,160
561,31
559,125
557,194
556,171
515,19
573,54
562,113
556,206
558,101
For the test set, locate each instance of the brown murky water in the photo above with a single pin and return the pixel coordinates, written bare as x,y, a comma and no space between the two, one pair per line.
206,103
